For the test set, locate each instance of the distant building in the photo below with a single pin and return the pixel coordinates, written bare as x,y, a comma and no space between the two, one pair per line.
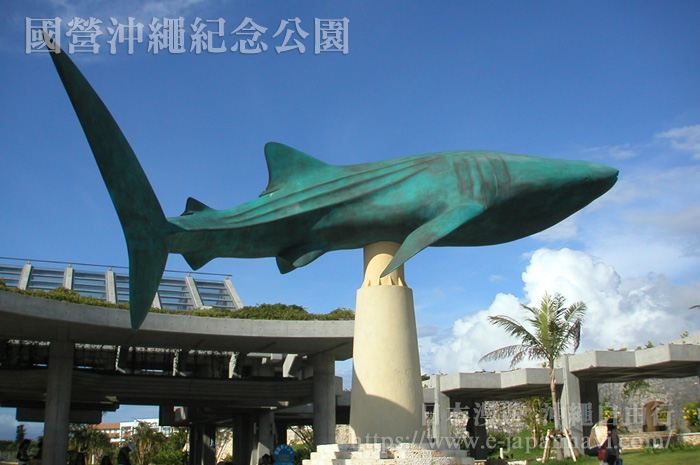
121,432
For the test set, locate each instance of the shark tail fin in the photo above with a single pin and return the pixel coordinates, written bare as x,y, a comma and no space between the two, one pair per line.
140,214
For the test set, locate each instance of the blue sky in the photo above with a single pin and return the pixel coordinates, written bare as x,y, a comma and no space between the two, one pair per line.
610,82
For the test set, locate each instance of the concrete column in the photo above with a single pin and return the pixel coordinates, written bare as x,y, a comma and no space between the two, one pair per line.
571,408
156,301
202,442
195,444
233,293
324,398
58,396
194,292
208,444
590,402
68,277
24,276
441,411
242,437
476,427
387,396
110,286
264,431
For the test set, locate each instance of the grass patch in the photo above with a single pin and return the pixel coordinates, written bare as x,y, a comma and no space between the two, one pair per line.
521,447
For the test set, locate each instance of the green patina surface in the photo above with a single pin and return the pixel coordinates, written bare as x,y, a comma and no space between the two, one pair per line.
464,198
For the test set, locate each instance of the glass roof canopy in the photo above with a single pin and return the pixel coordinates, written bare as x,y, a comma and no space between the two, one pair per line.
177,290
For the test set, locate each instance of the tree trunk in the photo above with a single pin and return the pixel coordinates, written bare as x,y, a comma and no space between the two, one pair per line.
555,408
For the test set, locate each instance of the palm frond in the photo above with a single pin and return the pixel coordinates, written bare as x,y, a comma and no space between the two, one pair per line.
554,328
503,352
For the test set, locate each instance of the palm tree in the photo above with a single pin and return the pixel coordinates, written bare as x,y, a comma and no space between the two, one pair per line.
147,442
555,329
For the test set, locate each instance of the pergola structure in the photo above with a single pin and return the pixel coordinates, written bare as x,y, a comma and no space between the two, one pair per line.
63,362
577,378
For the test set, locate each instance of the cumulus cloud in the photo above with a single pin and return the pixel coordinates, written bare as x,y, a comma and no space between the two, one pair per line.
685,139
621,312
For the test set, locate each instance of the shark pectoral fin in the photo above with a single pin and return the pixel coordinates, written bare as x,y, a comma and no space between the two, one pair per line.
308,258
285,266
431,232
296,257
198,259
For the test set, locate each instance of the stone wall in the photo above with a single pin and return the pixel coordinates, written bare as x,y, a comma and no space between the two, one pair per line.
675,393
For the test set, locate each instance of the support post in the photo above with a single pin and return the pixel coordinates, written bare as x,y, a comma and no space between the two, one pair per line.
387,396
590,401
476,427
265,436
324,398
242,435
441,411
572,408
58,396
208,444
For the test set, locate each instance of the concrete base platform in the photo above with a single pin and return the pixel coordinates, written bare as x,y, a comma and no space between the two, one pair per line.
383,454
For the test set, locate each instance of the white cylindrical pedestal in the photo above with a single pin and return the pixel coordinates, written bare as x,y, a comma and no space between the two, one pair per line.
387,396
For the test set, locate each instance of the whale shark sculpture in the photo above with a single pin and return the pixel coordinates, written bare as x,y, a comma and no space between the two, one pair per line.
465,198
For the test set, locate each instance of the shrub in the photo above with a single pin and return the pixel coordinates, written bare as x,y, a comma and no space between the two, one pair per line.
690,414
259,312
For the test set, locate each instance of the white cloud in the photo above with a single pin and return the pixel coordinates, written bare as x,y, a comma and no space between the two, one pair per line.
8,425
686,139
141,11
618,152
566,229
621,312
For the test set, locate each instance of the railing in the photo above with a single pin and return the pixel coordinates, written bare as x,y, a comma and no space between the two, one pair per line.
178,290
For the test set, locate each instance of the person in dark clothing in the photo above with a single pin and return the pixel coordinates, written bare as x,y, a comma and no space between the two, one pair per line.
123,457
612,444
23,452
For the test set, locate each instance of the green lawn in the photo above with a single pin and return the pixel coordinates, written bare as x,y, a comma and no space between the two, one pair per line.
662,457
681,457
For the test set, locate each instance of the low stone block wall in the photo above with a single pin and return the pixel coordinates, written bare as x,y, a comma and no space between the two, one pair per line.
690,438
639,441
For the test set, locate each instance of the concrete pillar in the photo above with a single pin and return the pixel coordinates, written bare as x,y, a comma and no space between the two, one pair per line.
476,427
572,409
387,396
441,411
233,293
68,277
58,396
324,398
242,438
195,444
265,436
24,276
208,444
202,442
110,286
591,403
194,292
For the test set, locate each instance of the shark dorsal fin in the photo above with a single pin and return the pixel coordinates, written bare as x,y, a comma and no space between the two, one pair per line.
284,163
194,205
